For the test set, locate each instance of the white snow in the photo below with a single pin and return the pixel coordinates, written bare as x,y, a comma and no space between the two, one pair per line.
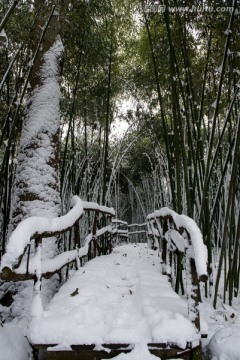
13,344
36,188
49,265
22,235
117,298
120,297
223,328
214,105
95,206
139,352
147,290
116,221
177,240
59,347
3,35
183,221
34,171
225,344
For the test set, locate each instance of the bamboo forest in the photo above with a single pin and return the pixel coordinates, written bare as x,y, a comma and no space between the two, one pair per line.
119,179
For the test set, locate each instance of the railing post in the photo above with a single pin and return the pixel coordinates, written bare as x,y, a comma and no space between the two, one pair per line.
90,251
38,245
152,236
164,224
104,237
194,292
110,236
149,236
94,232
36,308
117,232
192,282
77,234
28,258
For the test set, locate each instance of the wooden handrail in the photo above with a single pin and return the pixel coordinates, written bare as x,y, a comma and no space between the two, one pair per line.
127,232
13,268
175,233
180,235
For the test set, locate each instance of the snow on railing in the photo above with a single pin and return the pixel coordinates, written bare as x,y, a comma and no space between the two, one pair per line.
124,231
120,230
14,268
94,206
180,234
183,223
166,229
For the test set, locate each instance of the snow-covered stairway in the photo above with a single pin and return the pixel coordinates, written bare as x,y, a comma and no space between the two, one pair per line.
114,302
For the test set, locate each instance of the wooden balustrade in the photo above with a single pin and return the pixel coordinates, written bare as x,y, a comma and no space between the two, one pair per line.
124,232
173,234
176,241
98,242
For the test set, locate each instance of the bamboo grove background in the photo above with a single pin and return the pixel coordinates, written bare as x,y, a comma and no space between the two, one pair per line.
180,73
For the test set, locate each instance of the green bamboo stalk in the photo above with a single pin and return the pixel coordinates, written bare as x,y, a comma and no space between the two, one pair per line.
204,202
236,258
221,135
230,198
160,100
220,184
8,14
72,113
107,129
178,125
200,117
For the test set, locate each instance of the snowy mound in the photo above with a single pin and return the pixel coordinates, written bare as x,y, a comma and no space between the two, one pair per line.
225,344
13,344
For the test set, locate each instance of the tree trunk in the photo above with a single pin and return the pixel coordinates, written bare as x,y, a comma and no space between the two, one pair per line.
36,190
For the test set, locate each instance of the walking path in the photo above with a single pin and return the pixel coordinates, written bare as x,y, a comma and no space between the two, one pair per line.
119,298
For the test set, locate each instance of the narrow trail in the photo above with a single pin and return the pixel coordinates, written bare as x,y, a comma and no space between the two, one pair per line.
117,298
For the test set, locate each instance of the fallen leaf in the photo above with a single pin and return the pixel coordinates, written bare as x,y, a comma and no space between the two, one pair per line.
75,292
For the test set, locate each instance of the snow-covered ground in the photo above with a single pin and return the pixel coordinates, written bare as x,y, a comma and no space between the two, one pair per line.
223,329
13,344
117,298
123,297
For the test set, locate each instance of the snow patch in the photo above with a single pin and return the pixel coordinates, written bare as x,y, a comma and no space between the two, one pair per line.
225,344
183,221
13,343
22,235
140,352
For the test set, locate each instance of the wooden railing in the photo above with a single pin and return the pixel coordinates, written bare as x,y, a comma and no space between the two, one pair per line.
124,232
178,236
120,231
19,263
179,240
